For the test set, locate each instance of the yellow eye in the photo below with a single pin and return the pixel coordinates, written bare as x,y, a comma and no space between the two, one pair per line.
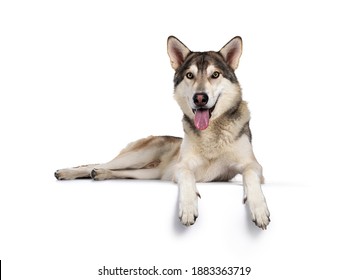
215,75
189,75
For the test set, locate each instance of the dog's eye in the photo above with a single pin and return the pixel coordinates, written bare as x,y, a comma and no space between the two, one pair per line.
189,75
215,74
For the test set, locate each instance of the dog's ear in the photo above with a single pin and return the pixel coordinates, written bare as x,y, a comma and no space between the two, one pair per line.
232,52
177,52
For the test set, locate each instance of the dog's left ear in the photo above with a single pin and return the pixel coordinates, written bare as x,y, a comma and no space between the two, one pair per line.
232,52
177,51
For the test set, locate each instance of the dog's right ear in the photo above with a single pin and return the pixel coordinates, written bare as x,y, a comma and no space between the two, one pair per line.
177,52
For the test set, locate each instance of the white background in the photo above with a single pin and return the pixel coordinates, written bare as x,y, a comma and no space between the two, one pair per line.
81,79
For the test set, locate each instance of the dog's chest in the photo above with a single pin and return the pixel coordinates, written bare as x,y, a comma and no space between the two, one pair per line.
213,144
216,152
221,169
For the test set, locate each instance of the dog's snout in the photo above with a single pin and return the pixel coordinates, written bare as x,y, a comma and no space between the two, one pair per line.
200,99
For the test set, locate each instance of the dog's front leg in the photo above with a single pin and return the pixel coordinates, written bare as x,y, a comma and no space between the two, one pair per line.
253,195
188,195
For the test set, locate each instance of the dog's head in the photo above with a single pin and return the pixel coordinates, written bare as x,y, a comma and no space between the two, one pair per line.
205,82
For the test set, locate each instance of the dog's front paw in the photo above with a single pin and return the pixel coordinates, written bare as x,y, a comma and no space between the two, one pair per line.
58,174
259,211
188,210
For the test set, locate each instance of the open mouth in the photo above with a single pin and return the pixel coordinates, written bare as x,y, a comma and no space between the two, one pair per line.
202,117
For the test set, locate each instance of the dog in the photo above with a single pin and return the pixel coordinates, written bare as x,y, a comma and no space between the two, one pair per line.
217,138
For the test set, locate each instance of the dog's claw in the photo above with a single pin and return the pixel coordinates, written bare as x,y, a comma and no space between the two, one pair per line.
263,223
188,223
188,214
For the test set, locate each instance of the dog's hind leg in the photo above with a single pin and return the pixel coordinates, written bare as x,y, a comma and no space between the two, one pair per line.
147,158
129,158
78,172
144,156
143,174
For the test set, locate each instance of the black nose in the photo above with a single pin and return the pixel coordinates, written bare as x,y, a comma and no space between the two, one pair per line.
200,99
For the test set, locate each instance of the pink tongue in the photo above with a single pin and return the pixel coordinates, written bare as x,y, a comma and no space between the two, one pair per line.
201,119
